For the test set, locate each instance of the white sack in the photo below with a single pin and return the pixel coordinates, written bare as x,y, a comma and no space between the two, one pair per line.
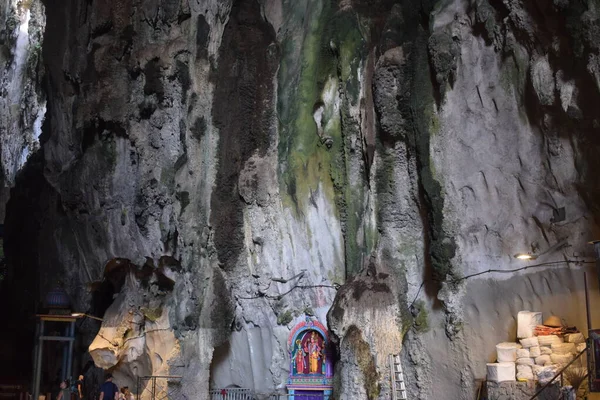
548,340
525,361
526,323
535,351
524,372
542,360
506,352
522,353
563,348
561,359
580,347
501,372
574,338
529,342
545,350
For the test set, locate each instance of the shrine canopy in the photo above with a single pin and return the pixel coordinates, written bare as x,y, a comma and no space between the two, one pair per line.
307,324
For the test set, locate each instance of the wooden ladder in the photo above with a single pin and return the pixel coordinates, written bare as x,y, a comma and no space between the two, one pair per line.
398,385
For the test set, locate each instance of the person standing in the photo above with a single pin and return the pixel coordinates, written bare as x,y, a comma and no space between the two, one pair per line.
126,394
80,388
108,390
65,393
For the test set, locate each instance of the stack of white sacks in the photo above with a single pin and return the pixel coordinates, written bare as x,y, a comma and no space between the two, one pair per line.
534,357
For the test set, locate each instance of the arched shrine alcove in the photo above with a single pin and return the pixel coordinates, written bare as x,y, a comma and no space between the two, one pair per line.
311,363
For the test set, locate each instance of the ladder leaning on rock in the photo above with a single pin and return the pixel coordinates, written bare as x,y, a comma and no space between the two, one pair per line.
397,376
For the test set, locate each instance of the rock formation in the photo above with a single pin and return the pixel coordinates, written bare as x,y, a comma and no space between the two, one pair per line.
23,102
209,172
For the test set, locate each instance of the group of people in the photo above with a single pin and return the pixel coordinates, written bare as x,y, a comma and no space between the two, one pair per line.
108,390
65,391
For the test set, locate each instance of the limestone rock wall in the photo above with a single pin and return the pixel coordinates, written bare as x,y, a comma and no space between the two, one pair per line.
507,153
247,158
23,102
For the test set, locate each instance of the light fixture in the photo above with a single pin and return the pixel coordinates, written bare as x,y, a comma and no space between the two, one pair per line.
83,315
530,256
526,256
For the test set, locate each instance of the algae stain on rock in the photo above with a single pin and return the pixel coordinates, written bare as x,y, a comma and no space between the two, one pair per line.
241,111
351,186
365,361
303,160
323,75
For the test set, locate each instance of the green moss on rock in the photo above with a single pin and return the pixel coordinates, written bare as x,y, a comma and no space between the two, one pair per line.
421,322
312,77
365,361
285,317
302,77
152,314
323,74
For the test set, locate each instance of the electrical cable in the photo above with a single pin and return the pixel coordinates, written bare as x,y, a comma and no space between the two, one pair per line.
457,280
279,296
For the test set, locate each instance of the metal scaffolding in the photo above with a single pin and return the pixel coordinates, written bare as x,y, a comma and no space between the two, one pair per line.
41,337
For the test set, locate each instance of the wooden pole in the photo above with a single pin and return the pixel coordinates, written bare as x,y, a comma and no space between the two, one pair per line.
69,360
587,303
596,244
38,360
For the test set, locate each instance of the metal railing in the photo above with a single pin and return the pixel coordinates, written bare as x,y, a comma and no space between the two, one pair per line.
231,394
286,396
169,387
248,394
559,373
158,387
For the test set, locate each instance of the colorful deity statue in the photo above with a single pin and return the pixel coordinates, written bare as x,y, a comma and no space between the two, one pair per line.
314,351
299,358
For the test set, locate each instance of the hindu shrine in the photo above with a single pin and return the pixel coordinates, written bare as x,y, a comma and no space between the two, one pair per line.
311,369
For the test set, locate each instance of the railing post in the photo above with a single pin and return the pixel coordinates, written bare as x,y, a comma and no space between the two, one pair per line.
561,379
